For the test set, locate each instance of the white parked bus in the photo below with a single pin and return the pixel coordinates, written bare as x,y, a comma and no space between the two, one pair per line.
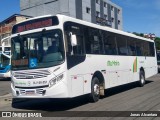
63,57
5,57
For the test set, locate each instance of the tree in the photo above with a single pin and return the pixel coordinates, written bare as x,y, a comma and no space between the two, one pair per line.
157,42
157,39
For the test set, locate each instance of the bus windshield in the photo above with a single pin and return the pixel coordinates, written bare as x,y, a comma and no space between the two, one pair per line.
5,61
37,50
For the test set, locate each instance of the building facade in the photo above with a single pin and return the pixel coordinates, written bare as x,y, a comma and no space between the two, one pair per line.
7,24
102,12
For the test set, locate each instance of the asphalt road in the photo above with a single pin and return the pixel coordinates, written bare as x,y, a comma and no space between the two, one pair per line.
124,98
4,86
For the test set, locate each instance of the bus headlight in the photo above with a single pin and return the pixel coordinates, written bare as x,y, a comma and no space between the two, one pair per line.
52,82
55,80
60,77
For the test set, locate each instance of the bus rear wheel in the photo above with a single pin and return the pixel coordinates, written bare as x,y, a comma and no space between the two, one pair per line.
95,90
142,80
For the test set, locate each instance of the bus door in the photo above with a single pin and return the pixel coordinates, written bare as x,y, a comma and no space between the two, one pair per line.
75,57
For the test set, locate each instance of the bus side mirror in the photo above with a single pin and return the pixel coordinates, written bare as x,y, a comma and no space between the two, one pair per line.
73,40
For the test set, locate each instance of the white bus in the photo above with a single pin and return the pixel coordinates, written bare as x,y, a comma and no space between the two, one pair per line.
63,57
5,58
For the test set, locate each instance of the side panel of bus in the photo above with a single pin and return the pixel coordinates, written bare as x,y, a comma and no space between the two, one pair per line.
116,57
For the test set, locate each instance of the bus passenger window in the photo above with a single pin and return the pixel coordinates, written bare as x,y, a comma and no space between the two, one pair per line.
109,44
121,45
79,49
139,47
146,48
131,47
95,42
151,49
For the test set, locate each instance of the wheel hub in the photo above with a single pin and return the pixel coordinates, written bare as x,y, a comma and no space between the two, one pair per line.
96,89
142,79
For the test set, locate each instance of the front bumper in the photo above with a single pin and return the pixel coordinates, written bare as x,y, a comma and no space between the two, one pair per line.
5,75
58,91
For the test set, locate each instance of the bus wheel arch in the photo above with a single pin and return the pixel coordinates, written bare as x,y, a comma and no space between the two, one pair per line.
142,80
97,84
99,75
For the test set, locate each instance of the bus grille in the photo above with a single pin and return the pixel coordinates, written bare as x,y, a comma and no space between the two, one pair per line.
37,91
31,74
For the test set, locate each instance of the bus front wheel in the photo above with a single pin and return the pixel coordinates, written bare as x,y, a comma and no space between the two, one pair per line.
95,90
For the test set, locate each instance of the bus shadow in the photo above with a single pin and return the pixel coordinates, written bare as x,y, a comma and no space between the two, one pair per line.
66,104
49,104
5,79
123,88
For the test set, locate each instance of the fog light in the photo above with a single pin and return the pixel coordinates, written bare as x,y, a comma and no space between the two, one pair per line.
17,92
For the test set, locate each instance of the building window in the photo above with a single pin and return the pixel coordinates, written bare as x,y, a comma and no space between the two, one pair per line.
118,11
105,17
112,8
97,14
98,1
105,4
119,22
112,19
88,10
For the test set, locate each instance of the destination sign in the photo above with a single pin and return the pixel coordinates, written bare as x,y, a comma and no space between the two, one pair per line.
20,62
35,24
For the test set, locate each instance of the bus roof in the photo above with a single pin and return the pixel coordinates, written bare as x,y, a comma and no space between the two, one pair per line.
106,28
66,18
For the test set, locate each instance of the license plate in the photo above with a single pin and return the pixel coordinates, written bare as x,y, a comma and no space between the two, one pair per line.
30,92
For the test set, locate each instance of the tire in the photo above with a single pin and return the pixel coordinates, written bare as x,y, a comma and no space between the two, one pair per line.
95,90
142,80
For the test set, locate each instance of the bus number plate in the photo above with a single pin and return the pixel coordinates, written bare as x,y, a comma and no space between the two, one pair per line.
30,92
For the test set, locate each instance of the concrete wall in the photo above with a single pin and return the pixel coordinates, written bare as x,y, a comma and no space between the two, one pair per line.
86,16
74,8
44,7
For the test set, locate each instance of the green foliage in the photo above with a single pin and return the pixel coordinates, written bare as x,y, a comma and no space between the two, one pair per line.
157,39
157,42
139,34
